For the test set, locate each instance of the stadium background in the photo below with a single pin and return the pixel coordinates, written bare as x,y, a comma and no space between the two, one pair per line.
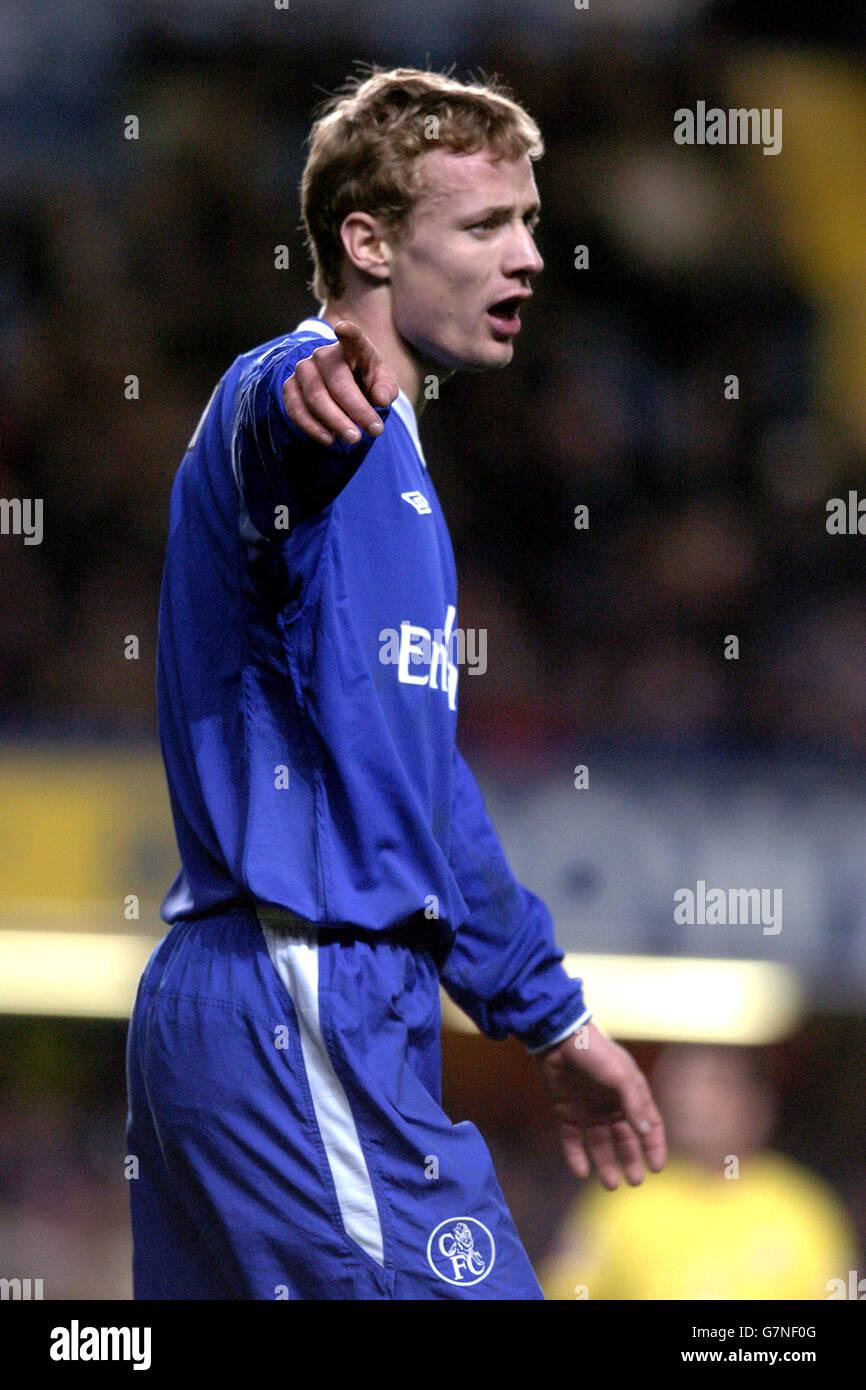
155,257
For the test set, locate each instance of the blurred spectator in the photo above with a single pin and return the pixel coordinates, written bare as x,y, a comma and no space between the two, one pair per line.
726,1218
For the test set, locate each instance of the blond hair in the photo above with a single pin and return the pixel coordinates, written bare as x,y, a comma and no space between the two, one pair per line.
367,141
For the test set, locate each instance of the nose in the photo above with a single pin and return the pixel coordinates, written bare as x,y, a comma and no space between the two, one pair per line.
524,257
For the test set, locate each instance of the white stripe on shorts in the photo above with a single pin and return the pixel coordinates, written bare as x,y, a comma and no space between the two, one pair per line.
294,952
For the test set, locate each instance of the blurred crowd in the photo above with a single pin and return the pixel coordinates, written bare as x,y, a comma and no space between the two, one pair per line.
155,258
64,1214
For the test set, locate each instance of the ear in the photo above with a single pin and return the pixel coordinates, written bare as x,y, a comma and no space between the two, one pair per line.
366,244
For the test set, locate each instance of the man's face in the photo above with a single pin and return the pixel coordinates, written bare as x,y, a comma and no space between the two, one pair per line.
458,280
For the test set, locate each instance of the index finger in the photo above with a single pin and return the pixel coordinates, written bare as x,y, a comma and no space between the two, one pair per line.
642,1114
357,348
654,1144
362,356
349,393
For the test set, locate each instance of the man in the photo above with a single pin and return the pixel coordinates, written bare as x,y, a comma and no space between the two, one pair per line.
338,861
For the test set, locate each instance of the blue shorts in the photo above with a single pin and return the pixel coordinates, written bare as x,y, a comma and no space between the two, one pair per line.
284,1111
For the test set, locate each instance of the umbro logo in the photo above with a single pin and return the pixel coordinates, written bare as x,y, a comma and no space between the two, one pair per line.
418,501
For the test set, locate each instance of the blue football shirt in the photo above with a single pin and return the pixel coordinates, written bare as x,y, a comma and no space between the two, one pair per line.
307,695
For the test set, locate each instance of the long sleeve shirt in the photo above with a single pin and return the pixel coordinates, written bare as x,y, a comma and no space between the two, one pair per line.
307,694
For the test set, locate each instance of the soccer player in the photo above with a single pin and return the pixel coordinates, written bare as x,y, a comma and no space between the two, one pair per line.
338,861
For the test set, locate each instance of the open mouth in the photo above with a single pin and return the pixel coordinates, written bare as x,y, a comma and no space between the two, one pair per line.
506,314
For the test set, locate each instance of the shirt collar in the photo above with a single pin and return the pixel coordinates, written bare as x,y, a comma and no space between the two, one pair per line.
402,405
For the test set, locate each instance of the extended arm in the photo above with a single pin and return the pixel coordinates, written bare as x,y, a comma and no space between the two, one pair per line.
283,452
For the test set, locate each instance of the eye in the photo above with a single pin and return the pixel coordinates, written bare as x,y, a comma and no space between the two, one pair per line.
531,220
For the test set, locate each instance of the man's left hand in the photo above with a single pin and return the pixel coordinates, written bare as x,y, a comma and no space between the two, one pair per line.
606,1113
